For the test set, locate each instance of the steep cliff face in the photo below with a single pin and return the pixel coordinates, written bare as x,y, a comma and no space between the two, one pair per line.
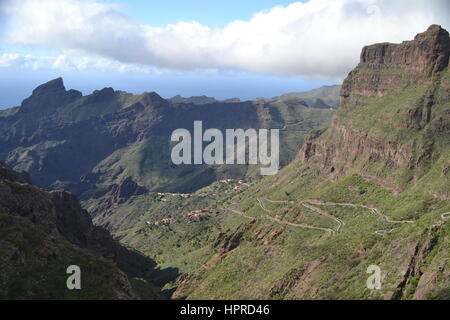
394,120
388,67
41,234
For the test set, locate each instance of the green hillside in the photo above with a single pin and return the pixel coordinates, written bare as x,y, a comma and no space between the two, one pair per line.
112,135
372,189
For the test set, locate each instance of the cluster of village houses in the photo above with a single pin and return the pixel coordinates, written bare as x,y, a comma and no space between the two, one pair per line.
195,215
189,195
183,195
239,182
164,221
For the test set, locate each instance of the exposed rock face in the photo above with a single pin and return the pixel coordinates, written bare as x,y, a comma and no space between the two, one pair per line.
116,195
61,234
349,144
420,66
227,242
388,67
126,189
427,54
416,276
295,277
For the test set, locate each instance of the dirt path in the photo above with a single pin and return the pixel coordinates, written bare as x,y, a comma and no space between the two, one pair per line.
394,189
306,226
306,204
262,205
291,125
278,201
275,219
238,212
301,225
341,224
372,210
312,205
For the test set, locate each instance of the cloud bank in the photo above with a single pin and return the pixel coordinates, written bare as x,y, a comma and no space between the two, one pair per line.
319,39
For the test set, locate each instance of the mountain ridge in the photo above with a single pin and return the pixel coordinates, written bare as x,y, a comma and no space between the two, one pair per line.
113,135
44,233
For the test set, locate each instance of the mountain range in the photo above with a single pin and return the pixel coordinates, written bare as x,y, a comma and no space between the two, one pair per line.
85,144
363,186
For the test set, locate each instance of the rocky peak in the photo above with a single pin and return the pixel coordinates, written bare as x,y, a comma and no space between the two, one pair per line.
50,95
53,86
152,98
391,137
388,67
105,92
428,53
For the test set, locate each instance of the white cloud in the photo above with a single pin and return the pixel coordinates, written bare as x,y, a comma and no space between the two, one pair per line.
317,39
26,61
71,62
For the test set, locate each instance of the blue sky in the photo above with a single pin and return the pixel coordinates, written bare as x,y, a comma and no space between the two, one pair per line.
19,83
208,12
225,49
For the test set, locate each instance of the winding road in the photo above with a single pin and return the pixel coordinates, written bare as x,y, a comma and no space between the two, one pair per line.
370,208
329,230
277,220
341,224
307,204
312,205
238,212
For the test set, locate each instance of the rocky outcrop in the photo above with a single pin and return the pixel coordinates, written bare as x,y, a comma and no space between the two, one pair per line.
426,267
345,145
428,53
126,189
228,242
294,277
49,96
114,196
388,67
40,228
396,135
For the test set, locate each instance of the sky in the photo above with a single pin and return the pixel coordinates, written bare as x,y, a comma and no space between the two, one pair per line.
245,49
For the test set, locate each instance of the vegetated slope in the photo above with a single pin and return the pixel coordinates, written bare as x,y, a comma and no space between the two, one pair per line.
373,189
42,234
199,100
324,97
85,144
